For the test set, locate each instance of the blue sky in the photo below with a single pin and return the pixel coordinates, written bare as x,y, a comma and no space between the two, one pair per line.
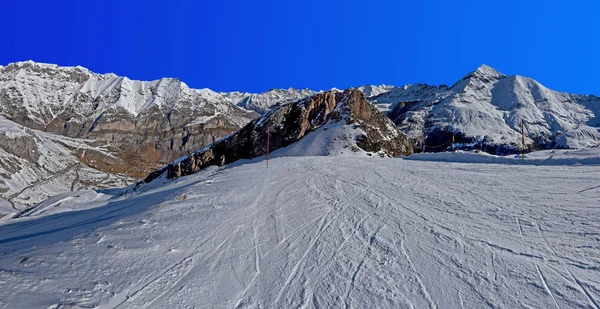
254,46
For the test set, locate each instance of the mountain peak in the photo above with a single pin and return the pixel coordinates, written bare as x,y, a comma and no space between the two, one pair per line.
485,73
486,70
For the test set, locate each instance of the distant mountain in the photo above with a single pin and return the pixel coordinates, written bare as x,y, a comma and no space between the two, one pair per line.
263,102
147,123
371,91
485,109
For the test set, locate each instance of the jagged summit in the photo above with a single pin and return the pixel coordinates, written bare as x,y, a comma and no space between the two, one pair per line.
484,72
487,70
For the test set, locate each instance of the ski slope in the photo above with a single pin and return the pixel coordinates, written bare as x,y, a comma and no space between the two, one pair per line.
316,232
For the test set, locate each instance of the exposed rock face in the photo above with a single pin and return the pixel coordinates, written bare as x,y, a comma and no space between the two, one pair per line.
22,146
291,122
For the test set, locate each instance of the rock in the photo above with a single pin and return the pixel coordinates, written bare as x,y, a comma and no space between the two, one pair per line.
290,123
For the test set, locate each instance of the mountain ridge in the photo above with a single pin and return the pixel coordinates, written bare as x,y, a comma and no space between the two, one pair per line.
149,124
550,129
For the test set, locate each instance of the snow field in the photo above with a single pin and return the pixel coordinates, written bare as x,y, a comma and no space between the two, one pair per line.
318,232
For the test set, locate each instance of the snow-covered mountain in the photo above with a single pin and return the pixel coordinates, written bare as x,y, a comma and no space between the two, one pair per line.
263,102
151,123
141,125
145,125
371,90
485,110
35,165
166,119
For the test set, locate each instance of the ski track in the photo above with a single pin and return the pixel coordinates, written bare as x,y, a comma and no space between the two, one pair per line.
320,232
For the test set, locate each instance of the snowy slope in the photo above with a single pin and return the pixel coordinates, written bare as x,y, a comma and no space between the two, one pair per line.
332,139
317,232
485,109
35,165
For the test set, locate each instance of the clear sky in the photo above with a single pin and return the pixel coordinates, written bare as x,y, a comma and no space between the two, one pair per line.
257,45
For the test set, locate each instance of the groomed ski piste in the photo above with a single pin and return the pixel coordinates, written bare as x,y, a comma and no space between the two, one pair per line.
320,232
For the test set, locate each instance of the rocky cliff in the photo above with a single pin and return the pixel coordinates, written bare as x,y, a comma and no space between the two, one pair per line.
367,130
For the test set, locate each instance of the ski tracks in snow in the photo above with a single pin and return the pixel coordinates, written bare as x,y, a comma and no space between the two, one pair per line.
342,233
158,285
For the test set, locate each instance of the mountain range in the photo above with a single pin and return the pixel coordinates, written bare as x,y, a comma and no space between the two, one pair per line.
124,129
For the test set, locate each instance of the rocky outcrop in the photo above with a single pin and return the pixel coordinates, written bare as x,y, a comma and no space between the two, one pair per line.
23,145
292,122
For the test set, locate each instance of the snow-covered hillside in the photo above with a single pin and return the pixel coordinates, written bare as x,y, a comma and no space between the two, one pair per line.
485,110
316,232
35,165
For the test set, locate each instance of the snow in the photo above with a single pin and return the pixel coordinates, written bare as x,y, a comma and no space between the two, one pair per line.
312,232
331,139
10,129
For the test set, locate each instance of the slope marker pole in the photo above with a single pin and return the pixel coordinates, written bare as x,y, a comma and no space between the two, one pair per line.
268,142
522,140
452,142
